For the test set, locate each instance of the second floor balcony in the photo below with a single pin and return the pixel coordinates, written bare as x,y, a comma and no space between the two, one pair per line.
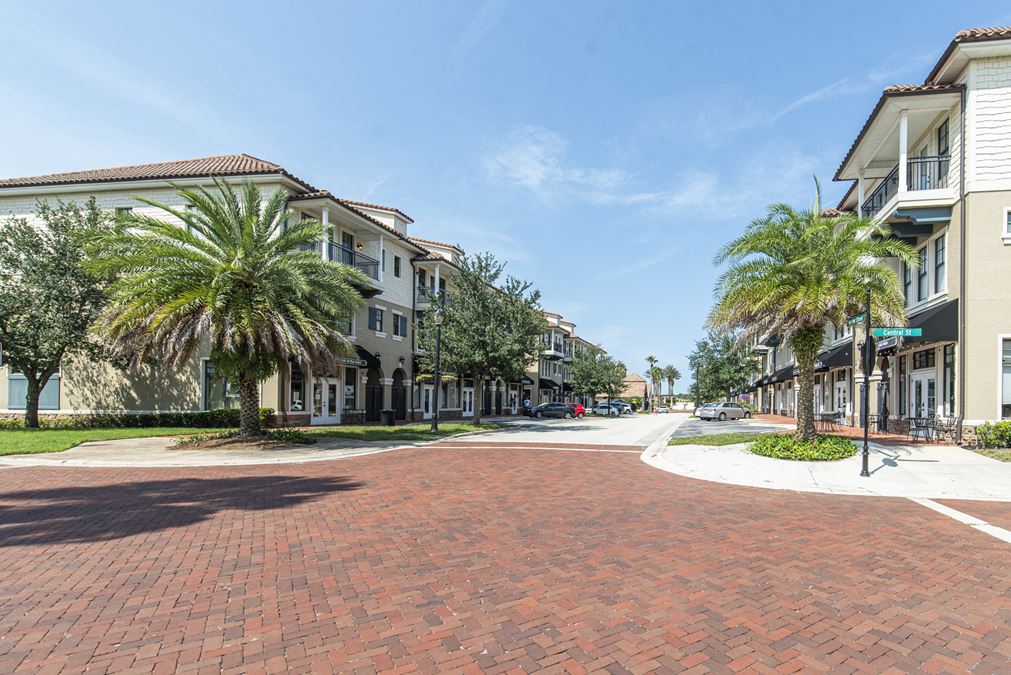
427,296
348,256
922,173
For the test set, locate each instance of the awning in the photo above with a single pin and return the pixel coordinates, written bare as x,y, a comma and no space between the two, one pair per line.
548,384
939,324
781,375
368,357
838,357
526,380
566,386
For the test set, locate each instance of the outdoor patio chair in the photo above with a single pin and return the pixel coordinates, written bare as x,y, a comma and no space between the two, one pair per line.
922,427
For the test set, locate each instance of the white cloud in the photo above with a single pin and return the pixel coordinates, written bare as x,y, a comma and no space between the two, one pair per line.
489,15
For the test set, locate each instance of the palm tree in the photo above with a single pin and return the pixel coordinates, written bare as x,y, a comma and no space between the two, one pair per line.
794,272
671,375
651,373
231,275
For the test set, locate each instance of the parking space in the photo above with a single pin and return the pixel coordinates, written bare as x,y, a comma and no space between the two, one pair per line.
697,427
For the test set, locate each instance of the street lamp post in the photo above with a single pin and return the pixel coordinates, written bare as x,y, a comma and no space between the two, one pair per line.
868,364
438,368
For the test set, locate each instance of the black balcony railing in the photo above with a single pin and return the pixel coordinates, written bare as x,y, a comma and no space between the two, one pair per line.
922,173
342,254
429,295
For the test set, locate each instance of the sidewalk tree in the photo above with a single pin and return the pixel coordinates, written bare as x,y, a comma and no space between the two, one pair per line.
227,273
48,299
671,375
720,365
493,326
595,372
793,272
652,372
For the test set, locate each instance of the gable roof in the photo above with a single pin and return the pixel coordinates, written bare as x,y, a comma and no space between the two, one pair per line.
368,205
964,36
436,243
219,165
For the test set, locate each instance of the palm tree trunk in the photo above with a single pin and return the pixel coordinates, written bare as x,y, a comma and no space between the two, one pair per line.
32,403
249,407
806,344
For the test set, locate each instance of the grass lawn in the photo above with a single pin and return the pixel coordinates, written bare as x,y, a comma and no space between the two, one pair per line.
715,439
29,441
407,432
1003,454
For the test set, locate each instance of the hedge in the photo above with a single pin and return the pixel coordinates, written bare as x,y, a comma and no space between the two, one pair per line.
786,446
992,435
224,418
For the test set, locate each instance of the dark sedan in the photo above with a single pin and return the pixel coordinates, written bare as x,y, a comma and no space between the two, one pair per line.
566,410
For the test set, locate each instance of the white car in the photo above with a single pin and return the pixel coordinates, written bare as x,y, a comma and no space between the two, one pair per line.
723,411
607,410
663,409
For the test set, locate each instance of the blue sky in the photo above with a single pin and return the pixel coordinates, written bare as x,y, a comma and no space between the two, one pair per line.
604,149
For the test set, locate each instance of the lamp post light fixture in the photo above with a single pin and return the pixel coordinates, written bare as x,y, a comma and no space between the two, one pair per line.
439,317
868,365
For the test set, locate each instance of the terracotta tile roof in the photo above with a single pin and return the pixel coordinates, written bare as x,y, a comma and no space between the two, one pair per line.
437,243
380,207
219,165
833,213
892,91
969,35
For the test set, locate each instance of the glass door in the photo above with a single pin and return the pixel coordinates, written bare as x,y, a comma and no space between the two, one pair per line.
923,401
326,401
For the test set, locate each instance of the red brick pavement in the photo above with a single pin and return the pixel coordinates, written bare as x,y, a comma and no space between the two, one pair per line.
457,559
995,513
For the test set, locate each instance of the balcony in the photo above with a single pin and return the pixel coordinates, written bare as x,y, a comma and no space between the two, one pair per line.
427,296
342,254
922,173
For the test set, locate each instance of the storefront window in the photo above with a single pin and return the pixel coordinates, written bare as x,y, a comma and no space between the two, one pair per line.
350,388
902,386
297,389
1005,408
925,358
948,394
218,391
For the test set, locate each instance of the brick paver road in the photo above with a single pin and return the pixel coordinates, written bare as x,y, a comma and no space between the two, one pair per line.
436,560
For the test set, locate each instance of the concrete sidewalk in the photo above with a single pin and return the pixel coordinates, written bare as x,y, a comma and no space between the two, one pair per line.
925,471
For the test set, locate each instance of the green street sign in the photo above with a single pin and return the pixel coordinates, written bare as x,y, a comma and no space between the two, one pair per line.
897,332
854,320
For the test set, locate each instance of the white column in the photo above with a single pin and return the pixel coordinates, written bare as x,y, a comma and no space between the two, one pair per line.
324,247
382,255
435,278
860,192
903,149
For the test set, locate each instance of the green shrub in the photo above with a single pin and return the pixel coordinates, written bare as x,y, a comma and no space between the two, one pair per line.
786,446
990,435
291,436
224,418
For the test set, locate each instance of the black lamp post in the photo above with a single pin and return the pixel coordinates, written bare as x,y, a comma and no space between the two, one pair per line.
868,364
438,368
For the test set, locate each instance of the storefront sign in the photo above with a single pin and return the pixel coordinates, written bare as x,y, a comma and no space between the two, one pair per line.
854,320
348,361
897,332
887,343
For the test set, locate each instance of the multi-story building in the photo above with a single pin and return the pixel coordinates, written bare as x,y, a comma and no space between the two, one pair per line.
405,276
933,161
550,378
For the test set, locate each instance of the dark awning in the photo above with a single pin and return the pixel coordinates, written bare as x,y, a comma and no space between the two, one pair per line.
837,357
939,324
548,384
781,375
566,386
368,357
526,380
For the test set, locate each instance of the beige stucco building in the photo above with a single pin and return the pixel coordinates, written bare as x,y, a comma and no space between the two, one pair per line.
933,161
405,275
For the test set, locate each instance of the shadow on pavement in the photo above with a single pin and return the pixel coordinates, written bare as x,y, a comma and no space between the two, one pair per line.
105,512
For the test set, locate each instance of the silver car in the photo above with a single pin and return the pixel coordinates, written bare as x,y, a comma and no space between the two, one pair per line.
723,411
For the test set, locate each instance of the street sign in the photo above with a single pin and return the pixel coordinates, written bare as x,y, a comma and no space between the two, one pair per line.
854,320
897,332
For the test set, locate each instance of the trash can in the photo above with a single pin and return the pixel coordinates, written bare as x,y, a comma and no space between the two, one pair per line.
387,417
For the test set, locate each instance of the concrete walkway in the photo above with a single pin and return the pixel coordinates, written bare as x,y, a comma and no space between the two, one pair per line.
925,472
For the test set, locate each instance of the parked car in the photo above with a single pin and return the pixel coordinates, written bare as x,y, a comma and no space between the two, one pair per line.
724,411
565,410
625,408
698,411
663,409
607,410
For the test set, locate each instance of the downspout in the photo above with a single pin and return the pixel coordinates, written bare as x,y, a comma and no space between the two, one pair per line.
961,269
414,334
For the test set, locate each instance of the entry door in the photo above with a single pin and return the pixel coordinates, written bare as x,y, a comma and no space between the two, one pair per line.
326,401
817,397
923,402
841,397
426,400
468,402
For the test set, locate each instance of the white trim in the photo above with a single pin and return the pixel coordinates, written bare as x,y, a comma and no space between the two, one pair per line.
164,183
379,335
398,338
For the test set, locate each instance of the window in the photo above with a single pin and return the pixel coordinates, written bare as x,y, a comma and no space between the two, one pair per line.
907,283
1005,403
1007,224
400,325
948,393
922,290
376,319
939,254
17,392
396,266
350,387
218,391
925,358
902,385
297,389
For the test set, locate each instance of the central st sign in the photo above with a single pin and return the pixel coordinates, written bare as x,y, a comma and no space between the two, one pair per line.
897,332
